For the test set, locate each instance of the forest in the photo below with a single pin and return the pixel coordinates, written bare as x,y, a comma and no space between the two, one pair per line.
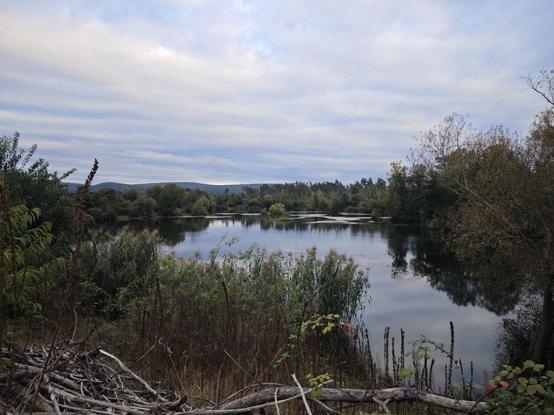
408,196
210,327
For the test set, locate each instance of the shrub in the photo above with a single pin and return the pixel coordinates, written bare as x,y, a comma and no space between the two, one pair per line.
277,209
522,390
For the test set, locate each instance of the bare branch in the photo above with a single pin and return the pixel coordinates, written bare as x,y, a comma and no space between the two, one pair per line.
301,389
543,85
138,378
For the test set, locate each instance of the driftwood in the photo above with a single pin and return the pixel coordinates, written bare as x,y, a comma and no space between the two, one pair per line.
66,380
269,395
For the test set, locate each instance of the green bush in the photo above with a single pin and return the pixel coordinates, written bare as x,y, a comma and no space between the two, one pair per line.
27,265
523,390
277,209
116,272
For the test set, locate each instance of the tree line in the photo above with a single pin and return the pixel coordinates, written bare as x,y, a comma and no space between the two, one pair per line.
407,196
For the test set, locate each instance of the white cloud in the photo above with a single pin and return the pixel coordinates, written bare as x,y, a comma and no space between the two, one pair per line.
264,91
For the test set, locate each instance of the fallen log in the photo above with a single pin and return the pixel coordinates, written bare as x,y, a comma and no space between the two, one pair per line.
267,397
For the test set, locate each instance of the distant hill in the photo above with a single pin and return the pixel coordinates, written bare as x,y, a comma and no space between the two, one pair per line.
216,189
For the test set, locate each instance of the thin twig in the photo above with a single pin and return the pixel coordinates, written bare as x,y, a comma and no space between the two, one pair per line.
308,409
276,403
137,377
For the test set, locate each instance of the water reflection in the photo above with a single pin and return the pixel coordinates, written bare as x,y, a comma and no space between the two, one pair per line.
172,232
413,284
414,252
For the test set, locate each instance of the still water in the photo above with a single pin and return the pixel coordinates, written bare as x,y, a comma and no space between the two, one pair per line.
412,285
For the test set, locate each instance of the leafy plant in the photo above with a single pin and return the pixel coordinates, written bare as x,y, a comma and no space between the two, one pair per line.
25,259
324,323
522,390
316,382
406,373
277,209
317,324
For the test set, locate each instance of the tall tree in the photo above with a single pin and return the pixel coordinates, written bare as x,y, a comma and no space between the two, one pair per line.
29,181
503,220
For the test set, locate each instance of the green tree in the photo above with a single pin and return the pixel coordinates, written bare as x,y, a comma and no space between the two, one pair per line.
398,192
29,182
503,221
143,206
168,198
201,206
26,260
277,209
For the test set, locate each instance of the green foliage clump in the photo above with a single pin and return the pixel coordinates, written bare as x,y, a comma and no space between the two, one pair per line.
315,382
523,390
201,207
29,182
276,209
323,323
117,272
26,261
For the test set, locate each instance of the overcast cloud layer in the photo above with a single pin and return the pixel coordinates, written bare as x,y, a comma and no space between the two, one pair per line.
260,91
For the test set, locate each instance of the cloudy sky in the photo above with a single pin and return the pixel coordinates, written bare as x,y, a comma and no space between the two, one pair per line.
228,91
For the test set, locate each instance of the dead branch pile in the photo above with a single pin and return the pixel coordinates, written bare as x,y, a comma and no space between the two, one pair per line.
66,379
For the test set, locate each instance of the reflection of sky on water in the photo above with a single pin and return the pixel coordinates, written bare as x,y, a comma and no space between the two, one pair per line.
398,299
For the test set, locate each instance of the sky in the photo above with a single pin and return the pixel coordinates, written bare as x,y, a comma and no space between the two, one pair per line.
237,91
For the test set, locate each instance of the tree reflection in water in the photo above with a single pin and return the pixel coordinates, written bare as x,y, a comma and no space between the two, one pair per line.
418,253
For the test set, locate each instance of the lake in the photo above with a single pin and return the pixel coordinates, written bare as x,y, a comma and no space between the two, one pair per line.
413,285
